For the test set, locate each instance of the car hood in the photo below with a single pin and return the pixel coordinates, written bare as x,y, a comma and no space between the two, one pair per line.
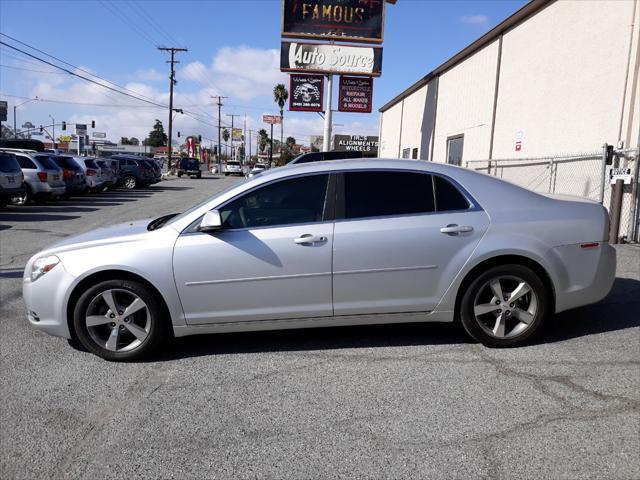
120,233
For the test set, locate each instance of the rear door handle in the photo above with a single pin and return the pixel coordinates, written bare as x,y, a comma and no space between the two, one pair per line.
455,229
308,239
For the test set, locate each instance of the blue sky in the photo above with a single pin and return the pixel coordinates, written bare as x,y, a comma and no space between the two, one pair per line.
233,51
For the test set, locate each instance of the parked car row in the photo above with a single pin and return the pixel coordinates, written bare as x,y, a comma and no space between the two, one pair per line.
28,175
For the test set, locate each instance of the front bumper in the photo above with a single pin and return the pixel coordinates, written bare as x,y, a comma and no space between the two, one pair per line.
46,300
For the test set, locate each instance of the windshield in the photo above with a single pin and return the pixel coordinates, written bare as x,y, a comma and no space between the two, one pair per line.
235,164
47,162
9,164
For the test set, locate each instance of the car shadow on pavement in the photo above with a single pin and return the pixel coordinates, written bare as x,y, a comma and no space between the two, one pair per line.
36,217
619,311
52,208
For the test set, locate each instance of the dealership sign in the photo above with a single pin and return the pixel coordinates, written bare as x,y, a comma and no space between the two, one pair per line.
306,93
236,135
272,119
99,134
81,128
349,20
355,143
330,58
355,94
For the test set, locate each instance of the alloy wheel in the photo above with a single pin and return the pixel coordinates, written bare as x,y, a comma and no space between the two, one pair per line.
505,306
118,320
130,183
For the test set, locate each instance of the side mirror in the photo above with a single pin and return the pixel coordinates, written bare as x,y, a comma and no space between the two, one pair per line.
211,222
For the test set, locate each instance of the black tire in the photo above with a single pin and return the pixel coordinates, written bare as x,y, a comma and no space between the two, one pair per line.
24,199
179,174
199,175
3,203
158,324
129,182
226,174
474,326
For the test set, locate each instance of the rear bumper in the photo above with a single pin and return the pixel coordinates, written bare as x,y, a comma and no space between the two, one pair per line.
7,193
52,192
586,275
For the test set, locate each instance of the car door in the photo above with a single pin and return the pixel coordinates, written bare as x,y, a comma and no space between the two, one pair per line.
271,260
399,240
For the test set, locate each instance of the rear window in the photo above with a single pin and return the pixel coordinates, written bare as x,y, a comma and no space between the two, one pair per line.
8,163
66,162
47,162
234,164
91,163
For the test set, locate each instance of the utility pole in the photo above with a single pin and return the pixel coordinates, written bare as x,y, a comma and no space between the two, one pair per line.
233,151
172,82
244,140
219,117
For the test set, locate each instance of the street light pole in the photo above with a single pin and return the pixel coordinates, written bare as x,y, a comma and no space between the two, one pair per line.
53,129
15,128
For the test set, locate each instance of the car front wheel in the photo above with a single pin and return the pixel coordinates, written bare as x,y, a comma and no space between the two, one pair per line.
505,306
119,320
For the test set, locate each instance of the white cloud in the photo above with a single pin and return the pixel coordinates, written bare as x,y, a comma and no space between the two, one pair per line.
148,75
474,19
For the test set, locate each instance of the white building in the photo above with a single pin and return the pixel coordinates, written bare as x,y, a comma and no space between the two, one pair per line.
556,77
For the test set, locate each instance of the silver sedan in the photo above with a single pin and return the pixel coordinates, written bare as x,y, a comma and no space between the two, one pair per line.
352,242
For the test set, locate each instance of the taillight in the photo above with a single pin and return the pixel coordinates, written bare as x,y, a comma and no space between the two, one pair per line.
42,176
67,174
90,172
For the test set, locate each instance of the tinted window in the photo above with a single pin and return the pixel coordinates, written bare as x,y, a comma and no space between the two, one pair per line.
374,194
66,162
91,163
25,162
299,200
8,163
131,163
235,164
448,197
47,162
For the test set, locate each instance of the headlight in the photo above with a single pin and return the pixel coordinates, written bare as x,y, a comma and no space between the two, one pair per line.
42,265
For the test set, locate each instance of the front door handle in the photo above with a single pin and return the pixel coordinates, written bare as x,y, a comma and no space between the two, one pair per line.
454,229
308,239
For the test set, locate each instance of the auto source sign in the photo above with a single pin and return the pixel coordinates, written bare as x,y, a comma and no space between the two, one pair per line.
355,95
315,58
306,92
350,20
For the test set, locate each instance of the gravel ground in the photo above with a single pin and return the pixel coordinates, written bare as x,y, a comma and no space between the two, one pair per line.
360,402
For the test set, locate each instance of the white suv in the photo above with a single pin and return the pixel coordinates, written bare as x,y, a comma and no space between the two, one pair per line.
232,168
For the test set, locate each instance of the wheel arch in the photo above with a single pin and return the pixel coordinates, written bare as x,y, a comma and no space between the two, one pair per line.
488,263
104,275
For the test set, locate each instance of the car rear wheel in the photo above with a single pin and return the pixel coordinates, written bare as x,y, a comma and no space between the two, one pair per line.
130,182
119,320
23,199
199,175
505,306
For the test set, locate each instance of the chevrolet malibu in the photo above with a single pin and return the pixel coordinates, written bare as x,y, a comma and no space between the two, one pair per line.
353,242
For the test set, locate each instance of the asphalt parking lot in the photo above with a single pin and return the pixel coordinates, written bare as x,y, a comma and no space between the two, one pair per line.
402,401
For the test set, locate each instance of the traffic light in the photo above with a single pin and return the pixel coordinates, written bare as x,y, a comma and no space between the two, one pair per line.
64,125
93,124
199,138
178,133
40,128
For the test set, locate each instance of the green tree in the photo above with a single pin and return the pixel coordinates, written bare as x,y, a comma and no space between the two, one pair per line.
225,136
134,141
291,141
280,96
157,137
263,139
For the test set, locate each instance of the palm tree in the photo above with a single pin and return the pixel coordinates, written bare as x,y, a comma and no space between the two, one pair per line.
225,137
280,96
263,139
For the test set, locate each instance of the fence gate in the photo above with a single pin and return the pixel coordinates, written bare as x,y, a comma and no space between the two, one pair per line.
586,175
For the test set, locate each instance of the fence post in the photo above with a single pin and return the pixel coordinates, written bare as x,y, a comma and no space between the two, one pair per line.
550,174
603,172
616,208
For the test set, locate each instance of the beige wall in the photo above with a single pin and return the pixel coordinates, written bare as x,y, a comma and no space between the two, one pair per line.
390,132
562,77
465,104
412,120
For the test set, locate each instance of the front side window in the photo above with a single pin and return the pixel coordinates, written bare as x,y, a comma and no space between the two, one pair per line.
294,201
375,194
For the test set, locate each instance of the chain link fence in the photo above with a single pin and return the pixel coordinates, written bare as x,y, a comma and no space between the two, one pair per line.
585,175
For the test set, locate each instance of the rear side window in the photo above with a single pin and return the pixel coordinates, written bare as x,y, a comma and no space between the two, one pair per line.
8,163
294,201
132,163
377,194
25,162
448,197
66,162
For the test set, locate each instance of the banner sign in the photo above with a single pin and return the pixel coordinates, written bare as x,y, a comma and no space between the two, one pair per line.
350,20
355,143
81,128
236,135
355,94
306,93
272,119
99,134
326,58
191,147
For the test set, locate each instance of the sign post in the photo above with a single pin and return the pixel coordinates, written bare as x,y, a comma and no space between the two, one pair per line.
271,120
326,141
